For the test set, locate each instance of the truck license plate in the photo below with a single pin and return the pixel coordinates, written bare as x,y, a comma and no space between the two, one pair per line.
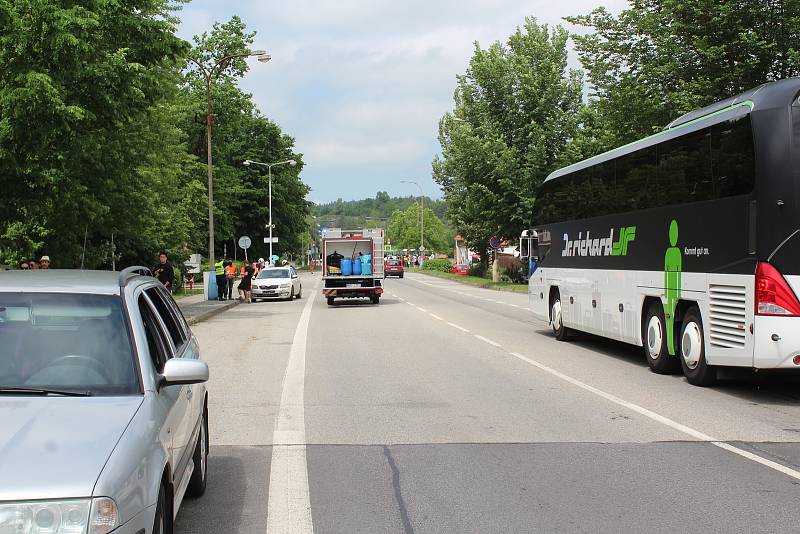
353,285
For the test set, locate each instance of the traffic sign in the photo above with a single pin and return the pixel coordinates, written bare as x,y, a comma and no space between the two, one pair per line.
245,242
267,240
422,249
387,248
494,242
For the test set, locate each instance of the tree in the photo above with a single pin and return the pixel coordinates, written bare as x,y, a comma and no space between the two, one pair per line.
404,230
241,195
662,58
85,121
515,110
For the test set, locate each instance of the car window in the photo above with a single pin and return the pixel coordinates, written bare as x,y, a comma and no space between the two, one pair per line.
176,333
176,313
157,342
274,273
68,342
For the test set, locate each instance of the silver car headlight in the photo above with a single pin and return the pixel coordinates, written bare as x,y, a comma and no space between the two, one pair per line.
67,516
286,285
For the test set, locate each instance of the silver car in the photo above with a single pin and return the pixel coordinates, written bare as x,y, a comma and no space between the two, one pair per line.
277,283
103,406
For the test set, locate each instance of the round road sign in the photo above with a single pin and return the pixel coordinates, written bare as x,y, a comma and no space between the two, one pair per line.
245,242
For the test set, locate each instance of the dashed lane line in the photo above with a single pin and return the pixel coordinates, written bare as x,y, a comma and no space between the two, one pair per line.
653,416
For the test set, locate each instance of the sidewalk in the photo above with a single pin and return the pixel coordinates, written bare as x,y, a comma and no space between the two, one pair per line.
196,308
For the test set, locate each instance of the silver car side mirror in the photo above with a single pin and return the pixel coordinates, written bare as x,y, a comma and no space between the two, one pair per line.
181,371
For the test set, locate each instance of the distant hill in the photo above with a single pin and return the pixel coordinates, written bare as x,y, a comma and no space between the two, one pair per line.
352,213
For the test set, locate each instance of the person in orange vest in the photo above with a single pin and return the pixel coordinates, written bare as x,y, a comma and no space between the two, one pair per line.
230,274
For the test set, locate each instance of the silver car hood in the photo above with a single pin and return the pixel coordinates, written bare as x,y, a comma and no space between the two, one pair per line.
56,447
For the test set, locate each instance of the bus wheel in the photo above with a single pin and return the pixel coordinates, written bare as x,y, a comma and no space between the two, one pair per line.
692,350
654,336
559,330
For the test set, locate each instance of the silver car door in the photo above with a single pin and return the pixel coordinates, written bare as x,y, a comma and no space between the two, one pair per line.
181,420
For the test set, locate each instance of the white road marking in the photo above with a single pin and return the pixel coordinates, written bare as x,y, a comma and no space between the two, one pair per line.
458,327
489,341
289,506
436,317
663,420
421,309
410,303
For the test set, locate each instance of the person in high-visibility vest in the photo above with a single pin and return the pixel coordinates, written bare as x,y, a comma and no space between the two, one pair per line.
219,271
230,274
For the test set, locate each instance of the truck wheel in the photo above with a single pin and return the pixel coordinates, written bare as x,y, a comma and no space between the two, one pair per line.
330,301
375,299
654,336
692,351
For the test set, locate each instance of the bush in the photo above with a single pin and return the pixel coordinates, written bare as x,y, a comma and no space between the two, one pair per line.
475,270
443,266
516,276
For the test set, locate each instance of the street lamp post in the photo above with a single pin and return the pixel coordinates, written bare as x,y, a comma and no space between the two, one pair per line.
421,213
211,73
269,166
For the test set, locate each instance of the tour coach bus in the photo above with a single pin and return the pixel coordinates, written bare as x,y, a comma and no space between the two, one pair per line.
686,243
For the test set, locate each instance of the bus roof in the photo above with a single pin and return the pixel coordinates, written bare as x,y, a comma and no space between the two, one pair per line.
769,95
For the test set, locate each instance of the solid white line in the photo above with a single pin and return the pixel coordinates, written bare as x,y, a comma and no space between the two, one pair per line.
436,317
458,327
289,506
663,420
489,341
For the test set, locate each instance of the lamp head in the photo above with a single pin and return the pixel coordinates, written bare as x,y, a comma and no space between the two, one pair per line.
264,58
292,162
246,163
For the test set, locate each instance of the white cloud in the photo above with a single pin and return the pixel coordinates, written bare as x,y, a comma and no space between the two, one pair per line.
361,84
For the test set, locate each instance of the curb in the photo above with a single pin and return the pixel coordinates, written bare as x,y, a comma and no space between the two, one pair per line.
211,313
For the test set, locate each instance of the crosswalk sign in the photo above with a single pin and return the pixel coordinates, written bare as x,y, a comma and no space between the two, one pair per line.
387,248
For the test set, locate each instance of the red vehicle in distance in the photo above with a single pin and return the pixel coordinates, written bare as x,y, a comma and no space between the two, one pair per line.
461,269
393,268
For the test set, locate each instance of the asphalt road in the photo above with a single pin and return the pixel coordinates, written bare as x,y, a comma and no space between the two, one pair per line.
448,408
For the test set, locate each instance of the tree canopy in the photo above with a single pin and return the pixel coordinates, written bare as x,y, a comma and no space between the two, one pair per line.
102,137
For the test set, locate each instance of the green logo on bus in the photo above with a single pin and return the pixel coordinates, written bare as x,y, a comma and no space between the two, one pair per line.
626,235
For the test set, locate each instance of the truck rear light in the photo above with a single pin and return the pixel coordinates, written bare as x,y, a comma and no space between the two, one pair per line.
773,294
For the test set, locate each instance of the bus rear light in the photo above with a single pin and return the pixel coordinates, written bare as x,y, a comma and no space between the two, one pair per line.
773,294
796,360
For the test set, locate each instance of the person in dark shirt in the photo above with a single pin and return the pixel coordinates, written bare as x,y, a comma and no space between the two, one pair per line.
164,271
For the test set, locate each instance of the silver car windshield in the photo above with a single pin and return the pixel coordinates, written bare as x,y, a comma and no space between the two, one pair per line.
65,342
274,273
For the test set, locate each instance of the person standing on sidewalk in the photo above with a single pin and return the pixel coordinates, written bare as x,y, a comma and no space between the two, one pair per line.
222,286
245,284
44,263
164,271
230,275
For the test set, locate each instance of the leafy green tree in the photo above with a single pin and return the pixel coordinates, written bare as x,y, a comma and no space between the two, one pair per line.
240,132
515,110
662,58
84,114
404,230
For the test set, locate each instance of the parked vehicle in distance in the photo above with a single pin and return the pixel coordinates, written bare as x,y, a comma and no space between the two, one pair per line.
461,269
277,283
103,403
393,268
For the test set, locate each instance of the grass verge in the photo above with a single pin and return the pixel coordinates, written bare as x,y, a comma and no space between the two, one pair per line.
476,281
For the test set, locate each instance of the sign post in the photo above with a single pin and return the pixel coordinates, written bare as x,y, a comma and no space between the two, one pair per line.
245,243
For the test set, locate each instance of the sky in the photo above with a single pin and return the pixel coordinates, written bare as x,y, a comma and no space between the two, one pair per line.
361,84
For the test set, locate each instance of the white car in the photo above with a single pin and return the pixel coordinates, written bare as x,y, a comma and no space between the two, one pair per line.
277,283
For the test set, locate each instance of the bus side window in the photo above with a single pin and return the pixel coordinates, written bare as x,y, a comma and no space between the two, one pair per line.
733,159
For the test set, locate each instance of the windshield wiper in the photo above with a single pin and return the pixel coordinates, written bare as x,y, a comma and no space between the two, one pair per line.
43,391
